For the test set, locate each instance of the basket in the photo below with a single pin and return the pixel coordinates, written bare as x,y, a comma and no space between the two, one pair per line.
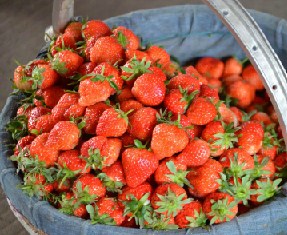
186,32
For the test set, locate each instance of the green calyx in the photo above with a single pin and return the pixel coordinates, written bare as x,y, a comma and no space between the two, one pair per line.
122,114
227,139
221,210
158,221
177,176
136,68
99,219
258,170
198,220
140,210
59,66
170,203
187,96
235,169
37,77
267,189
270,138
111,185
95,160
64,173
18,127
83,196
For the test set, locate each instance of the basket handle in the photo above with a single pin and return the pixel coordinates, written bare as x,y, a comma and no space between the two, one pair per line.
256,46
63,12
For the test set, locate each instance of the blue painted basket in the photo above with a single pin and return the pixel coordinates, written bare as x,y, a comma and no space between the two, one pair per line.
186,32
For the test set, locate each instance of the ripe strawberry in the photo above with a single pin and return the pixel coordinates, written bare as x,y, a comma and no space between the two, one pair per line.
159,56
100,151
238,113
219,207
191,71
21,81
138,164
169,199
210,67
88,188
242,91
22,143
92,116
32,64
64,41
45,123
113,177
263,167
34,115
201,111
127,140
237,161
128,193
109,208
228,80
168,140
142,123
64,136
139,55
130,106
178,100
280,161
204,178
43,76
71,160
261,117
106,49
250,136
196,153
127,38
112,123
149,90
250,74
232,67
184,81
125,94
40,150
86,68
207,92
171,170
74,29
191,216
96,28
52,95
227,114
66,62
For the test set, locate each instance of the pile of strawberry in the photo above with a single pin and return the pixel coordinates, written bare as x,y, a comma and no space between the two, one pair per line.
120,134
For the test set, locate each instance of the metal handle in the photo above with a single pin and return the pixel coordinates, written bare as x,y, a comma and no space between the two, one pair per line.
63,12
259,51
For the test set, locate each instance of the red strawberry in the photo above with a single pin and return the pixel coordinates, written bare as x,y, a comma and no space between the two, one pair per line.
149,90
264,167
45,154
250,74
207,92
168,140
43,76
34,115
88,188
110,207
280,161
184,81
139,55
52,95
169,199
138,164
159,56
250,136
138,192
86,68
125,94
171,170
101,151
20,80
106,49
71,160
232,67
113,177
127,140
112,123
236,160
92,116
219,207
210,67
130,106
74,29
126,37
142,123
204,178
231,79
96,28
191,71
22,143
242,91
191,216
196,153
261,117
64,136
64,41
66,62
201,111
45,123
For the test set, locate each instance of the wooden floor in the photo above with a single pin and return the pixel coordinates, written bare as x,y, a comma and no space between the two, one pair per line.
22,25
